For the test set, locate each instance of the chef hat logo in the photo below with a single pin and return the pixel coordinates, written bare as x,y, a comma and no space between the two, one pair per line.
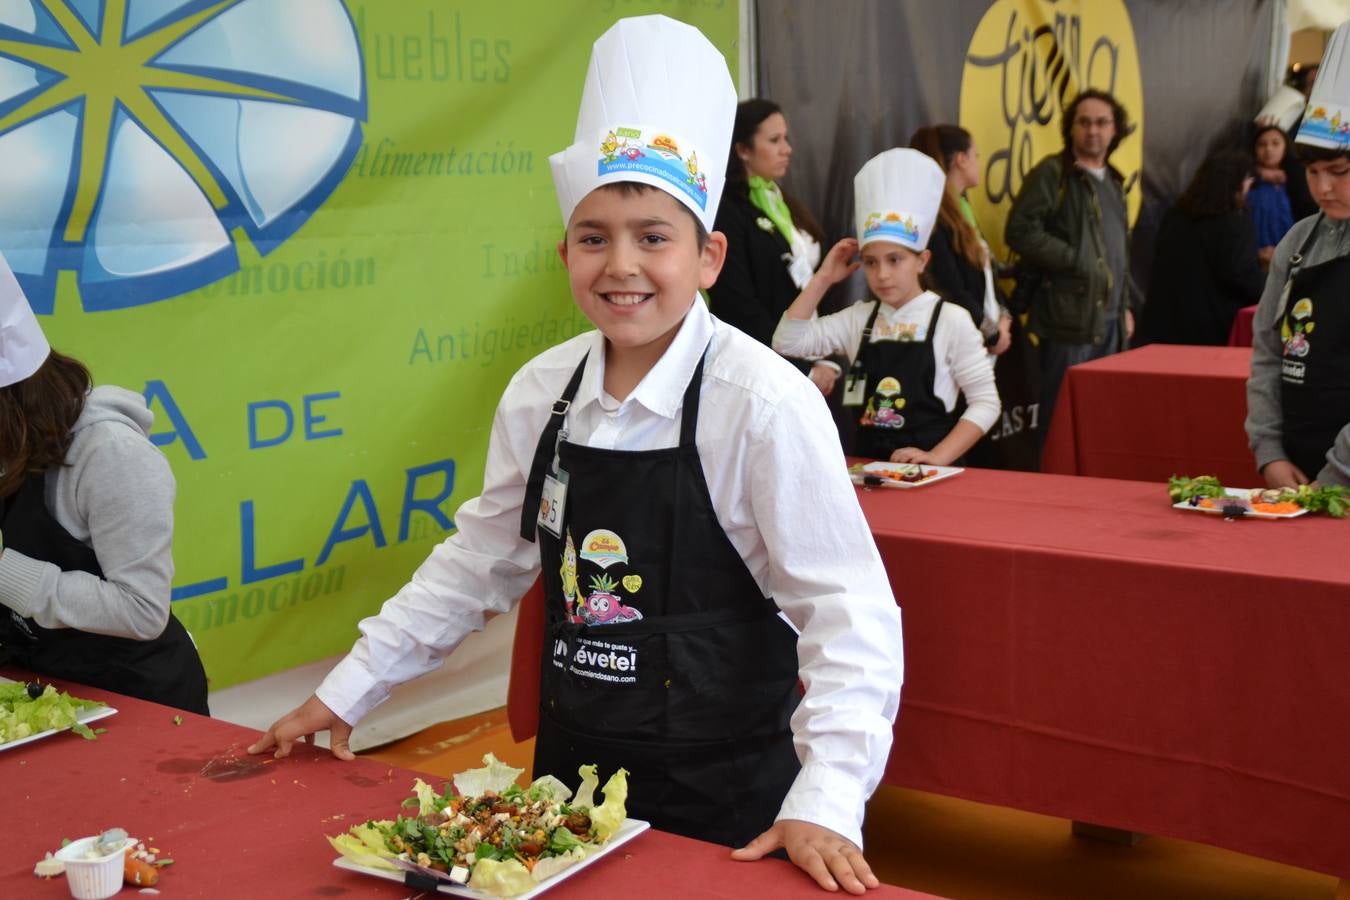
896,198
23,346
657,108
1326,123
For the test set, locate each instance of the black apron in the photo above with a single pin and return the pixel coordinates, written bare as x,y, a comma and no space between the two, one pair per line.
1315,368
660,653
901,409
165,670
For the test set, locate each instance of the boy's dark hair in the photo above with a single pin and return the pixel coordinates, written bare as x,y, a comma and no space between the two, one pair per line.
1122,119
1216,187
1308,154
36,416
634,188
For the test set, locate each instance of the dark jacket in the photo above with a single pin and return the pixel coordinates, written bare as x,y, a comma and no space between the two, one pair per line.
1055,226
754,288
953,276
1204,271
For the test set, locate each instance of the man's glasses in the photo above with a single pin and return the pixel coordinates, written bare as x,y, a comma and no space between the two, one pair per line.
1083,122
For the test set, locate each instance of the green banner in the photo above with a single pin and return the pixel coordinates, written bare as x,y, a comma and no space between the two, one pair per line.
320,237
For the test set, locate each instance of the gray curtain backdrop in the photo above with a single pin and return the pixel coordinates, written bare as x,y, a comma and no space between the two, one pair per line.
856,77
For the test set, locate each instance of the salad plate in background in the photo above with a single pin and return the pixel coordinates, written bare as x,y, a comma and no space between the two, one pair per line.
25,719
899,475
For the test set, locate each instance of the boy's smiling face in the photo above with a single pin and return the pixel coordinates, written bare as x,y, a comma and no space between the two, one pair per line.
634,264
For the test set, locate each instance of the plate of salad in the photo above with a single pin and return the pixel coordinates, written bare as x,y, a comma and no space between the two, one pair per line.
1206,494
484,835
899,475
31,712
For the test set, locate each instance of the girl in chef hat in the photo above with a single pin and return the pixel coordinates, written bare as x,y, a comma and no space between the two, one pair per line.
912,353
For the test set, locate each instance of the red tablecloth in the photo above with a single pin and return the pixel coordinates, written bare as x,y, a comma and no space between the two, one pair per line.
1075,647
241,826
1240,335
1150,413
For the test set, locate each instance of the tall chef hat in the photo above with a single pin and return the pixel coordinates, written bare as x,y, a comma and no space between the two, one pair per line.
23,346
896,198
1327,120
657,108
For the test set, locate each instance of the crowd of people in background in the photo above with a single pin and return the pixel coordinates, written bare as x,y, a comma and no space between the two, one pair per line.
1068,283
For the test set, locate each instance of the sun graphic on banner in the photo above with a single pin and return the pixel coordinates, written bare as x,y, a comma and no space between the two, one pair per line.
138,136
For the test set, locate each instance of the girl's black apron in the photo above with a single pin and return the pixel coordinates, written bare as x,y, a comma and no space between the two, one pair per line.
660,655
901,408
164,670
1315,368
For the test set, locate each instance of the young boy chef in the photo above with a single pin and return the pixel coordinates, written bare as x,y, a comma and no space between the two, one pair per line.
682,489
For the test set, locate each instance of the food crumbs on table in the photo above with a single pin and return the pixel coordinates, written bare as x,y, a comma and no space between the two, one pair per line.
49,867
178,720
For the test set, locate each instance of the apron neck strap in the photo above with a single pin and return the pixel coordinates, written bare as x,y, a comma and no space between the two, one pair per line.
867,329
932,322
543,453
689,411
1296,263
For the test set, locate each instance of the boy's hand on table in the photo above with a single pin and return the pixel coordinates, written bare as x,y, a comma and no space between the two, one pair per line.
1283,474
303,722
915,455
825,855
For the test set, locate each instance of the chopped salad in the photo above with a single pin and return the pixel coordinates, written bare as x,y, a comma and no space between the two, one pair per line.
488,832
29,709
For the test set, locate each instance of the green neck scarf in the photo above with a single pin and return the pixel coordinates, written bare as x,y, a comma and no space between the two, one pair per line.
768,199
969,212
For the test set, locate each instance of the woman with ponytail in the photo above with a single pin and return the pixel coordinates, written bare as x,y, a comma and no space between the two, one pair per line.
962,269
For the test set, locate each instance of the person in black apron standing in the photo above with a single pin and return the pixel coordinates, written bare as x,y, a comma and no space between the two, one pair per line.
60,616
672,559
1298,396
912,352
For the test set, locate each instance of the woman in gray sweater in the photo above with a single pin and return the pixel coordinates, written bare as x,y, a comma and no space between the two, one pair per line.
86,527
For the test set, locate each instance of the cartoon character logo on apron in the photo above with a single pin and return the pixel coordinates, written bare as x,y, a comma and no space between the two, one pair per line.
883,407
569,578
1295,336
603,605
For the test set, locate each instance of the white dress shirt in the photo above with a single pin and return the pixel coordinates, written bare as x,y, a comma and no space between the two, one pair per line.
963,364
780,490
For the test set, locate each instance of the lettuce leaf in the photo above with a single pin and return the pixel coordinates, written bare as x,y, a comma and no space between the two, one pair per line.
426,797
547,868
547,787
501,879
494,776
607,817
22,716
364,845
585,797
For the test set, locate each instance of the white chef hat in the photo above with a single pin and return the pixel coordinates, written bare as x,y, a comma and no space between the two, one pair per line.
1327,120
896,198
657,108
23,346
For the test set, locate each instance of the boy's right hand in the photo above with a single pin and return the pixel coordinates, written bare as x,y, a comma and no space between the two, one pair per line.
1283,474
839,263
303,722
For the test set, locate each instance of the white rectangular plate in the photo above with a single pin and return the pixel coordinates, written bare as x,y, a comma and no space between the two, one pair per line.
942,472
89,715
630,829
1249,514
